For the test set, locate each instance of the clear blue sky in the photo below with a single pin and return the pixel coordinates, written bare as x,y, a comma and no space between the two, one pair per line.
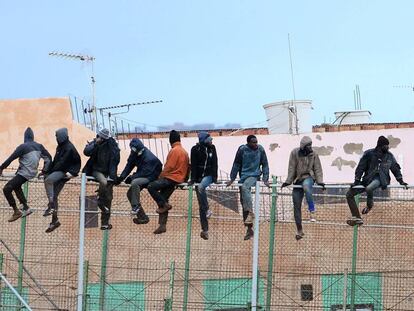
215,61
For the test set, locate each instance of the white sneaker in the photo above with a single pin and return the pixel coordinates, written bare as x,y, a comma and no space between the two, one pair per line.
312,217
209,213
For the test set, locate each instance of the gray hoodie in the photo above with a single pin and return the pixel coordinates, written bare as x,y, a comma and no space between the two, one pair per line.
29,154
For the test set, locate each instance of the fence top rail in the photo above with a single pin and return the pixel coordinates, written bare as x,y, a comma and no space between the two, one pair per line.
223,183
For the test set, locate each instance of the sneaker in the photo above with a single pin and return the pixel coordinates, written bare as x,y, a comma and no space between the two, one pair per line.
366,210
16,215
106,227
53,226
299,235
312,217
204,235
134,209
160,229
27,212
209,213
249,219
163,209
355,221
249,234
141,218
50,210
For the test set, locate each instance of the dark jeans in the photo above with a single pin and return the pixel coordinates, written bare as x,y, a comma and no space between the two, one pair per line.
370,196
202,200
105,195
161,190
15,184
54,184
297,197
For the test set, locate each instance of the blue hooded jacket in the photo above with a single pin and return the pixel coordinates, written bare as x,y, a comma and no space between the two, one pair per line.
148,165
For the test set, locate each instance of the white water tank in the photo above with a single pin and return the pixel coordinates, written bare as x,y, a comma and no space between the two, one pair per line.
289,117
352,117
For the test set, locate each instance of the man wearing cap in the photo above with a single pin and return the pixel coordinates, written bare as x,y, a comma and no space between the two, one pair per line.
374,169
104,156
65,165
29,154
176,170
204,169
250,163
304,169
148,169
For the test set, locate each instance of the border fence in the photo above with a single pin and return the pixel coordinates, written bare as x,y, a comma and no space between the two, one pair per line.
334,267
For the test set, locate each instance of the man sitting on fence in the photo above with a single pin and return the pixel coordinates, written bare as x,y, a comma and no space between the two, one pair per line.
176,171
373,168
304,169
204,169
148,169
104,156
66,165
29,155
250,163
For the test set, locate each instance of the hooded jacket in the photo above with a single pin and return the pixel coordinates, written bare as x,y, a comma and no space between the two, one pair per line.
303,165
148,165
177,165
67,158
103,157
203,160
250,163
29,154
376,163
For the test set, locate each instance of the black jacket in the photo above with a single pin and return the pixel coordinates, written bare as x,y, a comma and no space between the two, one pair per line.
375,163
103,158
148,166
66,159
203,162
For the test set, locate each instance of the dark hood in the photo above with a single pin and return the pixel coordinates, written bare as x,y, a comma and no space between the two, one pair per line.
137,143
62,135
28,135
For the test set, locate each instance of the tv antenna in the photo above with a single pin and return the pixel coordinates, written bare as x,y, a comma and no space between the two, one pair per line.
89,59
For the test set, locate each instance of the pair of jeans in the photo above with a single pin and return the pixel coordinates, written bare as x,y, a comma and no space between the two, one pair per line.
105,195
246,196
297,197
350,196
161,190
202,200
54,184
134,190
15,184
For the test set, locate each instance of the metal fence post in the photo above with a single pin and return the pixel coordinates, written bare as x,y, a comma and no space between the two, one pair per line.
22,247
81,243
1,271
273,213
102,280
169,301
256,247
85,285
188,246
354,260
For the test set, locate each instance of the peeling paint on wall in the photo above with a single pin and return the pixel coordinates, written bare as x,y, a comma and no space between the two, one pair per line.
339,162
351,148
394,141
272,147
318,137
323,151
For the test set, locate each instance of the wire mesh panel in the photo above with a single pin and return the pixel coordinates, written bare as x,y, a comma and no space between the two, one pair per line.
130,268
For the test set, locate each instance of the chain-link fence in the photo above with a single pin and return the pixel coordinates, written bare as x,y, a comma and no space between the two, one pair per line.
333,267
